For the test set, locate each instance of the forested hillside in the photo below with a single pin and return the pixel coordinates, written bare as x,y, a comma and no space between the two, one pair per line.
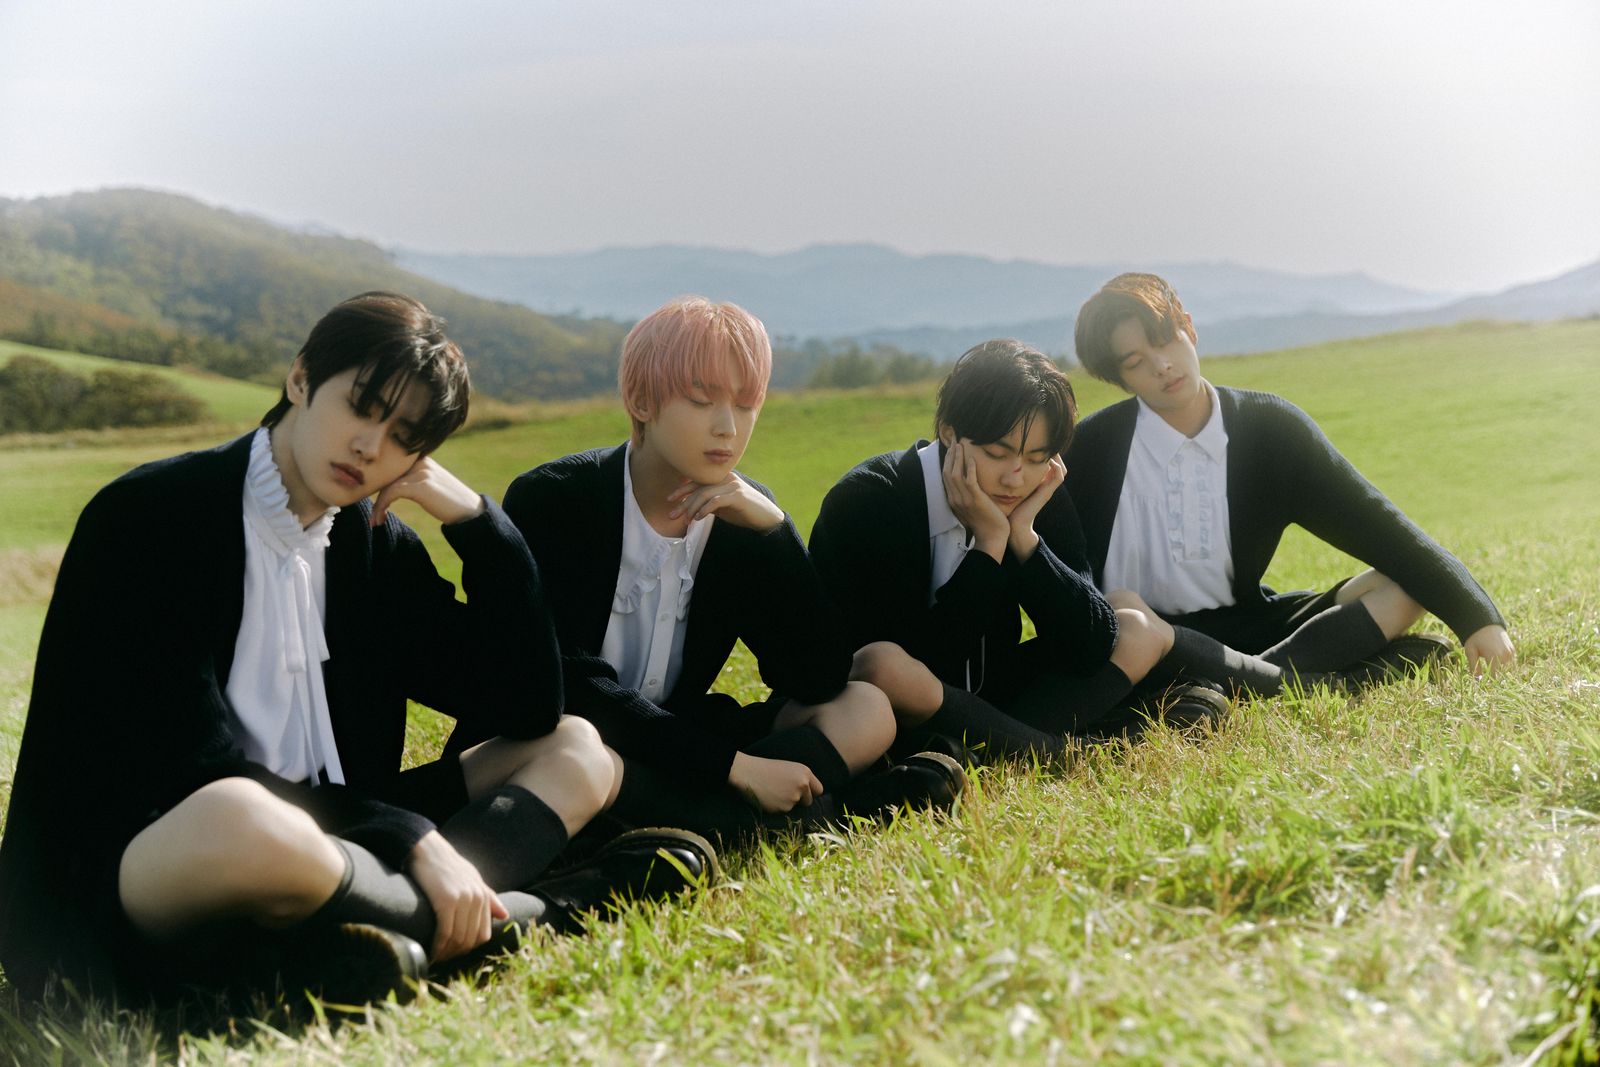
160,278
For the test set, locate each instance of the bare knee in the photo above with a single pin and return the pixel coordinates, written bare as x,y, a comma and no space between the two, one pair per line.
869,711
231,847
913,692
578,745
878,663
859,722
1391,607
1143,640
569,768
1127,599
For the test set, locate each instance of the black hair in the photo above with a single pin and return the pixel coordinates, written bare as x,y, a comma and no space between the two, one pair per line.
395,341
1000,383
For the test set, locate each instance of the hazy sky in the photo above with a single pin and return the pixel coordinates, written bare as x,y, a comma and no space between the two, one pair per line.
1445,144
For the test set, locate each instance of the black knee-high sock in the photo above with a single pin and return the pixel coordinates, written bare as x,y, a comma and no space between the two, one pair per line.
1065,705
649,798
1329,640
1205,657
510,835
373,892
809,745
978,724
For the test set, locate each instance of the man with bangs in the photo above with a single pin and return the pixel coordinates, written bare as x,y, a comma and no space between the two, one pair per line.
1185,489
209,790
931,552
659,555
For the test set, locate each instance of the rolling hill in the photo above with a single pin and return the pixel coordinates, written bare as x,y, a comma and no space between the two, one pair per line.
180,272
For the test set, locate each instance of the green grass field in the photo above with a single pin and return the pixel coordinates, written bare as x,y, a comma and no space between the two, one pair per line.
1410,876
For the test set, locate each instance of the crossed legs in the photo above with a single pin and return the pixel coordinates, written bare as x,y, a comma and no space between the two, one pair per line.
233,849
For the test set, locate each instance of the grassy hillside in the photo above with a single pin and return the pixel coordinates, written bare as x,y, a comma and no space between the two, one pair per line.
179,267
228,401
1404,877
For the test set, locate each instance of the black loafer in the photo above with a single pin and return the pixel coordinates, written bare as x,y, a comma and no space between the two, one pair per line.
1192,707
927,781
352,964
1400,658
648,864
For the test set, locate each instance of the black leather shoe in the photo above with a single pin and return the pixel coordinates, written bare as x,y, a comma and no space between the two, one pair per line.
925,781
946,745
1397,659
648,864
356,963
1191,707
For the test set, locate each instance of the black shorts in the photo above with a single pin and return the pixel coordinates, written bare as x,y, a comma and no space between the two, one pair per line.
1254,628
721,714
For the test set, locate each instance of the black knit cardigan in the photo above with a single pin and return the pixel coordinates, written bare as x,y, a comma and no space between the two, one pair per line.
870,544
1282,469
129,712
755,586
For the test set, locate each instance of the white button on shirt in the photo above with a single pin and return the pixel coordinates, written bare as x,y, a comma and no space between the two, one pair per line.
1170,541
644,637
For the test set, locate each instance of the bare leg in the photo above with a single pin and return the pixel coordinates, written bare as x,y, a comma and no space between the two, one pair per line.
230,849
570,769
1143,637
914,692
859,722
1390,606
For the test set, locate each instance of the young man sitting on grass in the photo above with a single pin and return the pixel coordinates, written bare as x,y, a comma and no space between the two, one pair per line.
1186,488
933,554
659,557
213,744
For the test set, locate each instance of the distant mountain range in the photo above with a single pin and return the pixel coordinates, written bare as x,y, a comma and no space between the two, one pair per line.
942,304
162,278
173,280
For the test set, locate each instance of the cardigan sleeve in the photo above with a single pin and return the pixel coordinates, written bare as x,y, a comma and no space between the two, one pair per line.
859,551
634,726
1056,590
150,724
1332,500
491,663
791,626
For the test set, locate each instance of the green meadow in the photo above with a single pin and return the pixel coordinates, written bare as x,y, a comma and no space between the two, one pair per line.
1407,876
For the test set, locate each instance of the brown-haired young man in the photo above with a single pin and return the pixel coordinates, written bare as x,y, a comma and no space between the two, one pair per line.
1185,489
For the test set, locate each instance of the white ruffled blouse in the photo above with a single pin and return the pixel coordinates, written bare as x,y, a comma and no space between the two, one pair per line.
275,688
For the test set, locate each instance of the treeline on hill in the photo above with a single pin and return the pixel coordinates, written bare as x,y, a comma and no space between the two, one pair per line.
36,396
845,364
160,278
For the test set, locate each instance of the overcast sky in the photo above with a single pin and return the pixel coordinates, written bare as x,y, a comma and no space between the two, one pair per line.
1443,144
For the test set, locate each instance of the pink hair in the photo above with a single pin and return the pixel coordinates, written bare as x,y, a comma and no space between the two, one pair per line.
687,341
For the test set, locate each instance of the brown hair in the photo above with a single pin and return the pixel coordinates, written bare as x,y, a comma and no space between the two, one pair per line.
1145,297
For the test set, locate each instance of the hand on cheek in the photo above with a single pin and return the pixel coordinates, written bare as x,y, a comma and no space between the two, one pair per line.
439,493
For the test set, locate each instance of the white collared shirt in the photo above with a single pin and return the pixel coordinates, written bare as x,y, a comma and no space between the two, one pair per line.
1170,542
644,639
948,540
275,689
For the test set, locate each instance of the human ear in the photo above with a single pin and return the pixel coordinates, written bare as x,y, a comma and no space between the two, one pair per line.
947,434
295,385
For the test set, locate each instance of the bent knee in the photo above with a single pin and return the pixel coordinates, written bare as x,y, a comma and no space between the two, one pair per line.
878,662
578,745
1127,599
1141,643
